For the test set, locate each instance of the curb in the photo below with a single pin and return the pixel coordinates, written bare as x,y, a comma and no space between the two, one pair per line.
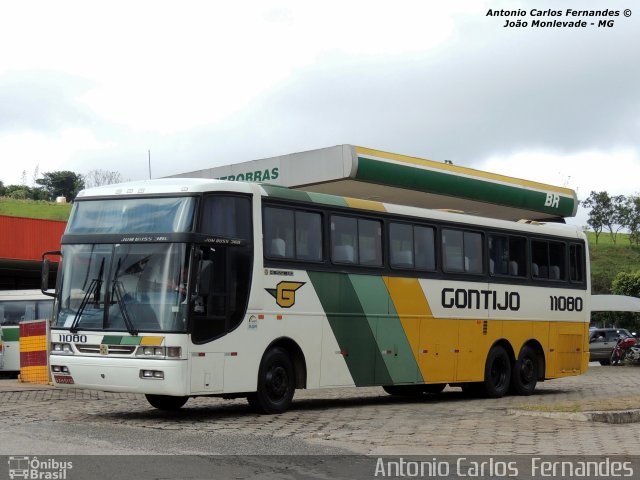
614,416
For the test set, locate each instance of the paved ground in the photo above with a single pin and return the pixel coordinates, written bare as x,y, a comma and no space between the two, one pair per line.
39,420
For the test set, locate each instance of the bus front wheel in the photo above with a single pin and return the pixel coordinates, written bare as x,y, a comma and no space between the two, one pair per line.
497,373
166,402
276,383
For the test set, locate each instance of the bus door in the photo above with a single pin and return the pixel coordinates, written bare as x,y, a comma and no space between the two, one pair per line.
218,300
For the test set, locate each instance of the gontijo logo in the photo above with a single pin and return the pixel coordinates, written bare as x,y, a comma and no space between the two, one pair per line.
285,293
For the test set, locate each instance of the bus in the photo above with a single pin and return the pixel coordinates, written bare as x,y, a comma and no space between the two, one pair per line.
17,306
179,288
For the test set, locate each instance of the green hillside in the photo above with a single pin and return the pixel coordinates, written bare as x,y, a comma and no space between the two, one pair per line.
34,209
608,259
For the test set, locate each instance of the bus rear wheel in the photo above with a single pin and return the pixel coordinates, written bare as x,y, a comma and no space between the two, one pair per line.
166,402
525,372
497,373
276,383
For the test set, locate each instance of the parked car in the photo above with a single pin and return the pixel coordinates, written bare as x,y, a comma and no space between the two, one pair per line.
602,341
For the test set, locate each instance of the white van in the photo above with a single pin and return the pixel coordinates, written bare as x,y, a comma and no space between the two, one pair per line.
17,306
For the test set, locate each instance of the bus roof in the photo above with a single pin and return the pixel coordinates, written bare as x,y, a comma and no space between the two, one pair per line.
388,177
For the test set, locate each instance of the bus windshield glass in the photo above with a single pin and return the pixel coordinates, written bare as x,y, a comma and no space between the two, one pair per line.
124,287
132,215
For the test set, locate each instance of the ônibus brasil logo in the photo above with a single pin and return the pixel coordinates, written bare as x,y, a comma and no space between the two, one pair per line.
37,469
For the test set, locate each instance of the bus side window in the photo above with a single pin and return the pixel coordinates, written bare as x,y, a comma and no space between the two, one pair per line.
462,251
344,244
576,268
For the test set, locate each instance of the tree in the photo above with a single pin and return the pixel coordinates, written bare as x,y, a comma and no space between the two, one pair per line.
97,178
597,216
61,183
616,216
626,283
606,212
632,218
36,174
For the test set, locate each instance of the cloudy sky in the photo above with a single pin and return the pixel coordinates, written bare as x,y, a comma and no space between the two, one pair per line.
86,85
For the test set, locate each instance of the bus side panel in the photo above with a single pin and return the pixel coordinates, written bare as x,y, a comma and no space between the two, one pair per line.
353,333
567,342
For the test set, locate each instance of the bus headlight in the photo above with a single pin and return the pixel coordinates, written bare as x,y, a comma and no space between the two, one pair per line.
61,349
159,352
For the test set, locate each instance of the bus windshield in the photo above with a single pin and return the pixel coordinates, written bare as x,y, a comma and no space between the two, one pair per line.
132,215
124,287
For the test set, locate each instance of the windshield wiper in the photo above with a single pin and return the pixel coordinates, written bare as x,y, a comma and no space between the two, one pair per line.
94,286
85,300
117,286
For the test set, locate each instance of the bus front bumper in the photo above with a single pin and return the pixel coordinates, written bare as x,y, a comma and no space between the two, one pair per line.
159,377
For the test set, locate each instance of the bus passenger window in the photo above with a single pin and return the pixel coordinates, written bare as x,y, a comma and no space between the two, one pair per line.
344,245
549,258
401,245
452,249
539,259
370,242
308,236
507,255
425,249
278,233
462,251
557,269
576,263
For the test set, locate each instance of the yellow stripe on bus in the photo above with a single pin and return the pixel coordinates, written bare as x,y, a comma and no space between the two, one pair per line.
365,204
412,308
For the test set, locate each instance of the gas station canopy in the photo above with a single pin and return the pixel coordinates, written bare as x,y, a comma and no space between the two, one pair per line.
359,172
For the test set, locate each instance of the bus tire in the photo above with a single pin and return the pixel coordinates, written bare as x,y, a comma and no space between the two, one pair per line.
166,402
497,373
524,375
276,383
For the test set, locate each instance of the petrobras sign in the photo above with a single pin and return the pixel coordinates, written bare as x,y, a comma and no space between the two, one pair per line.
263,175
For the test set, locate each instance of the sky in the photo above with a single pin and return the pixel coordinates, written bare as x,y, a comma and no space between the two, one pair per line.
97,85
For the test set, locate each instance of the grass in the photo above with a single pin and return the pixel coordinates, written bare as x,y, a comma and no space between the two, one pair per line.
608,259
34,209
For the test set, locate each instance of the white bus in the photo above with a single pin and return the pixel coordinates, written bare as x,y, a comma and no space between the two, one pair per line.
17,306
178,288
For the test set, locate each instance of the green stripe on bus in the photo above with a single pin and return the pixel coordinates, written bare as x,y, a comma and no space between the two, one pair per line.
11,334
328,199
399,360
111,340
286,193
350,327
131,340
453,185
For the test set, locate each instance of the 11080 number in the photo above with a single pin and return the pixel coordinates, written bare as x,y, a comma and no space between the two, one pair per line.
565,304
